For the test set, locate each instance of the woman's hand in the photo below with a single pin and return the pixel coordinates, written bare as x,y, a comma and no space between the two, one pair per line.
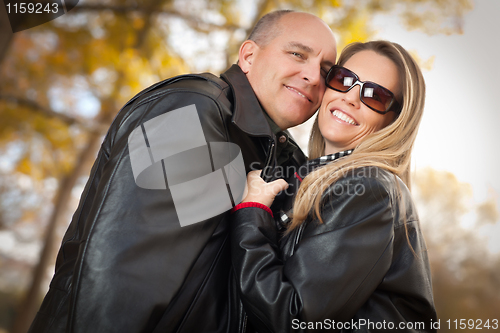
258,190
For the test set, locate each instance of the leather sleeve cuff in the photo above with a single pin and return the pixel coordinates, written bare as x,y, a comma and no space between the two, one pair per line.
252,204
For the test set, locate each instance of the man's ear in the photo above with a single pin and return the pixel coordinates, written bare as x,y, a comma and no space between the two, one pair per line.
247,54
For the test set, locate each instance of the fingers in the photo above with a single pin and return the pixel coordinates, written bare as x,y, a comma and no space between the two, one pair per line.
277,186
254,174
257,190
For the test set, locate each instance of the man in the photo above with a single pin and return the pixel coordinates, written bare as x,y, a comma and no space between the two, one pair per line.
126,263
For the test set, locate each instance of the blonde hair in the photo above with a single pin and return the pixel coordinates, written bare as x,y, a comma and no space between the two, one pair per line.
389,148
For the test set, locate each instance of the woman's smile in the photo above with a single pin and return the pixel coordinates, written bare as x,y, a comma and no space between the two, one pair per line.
343,117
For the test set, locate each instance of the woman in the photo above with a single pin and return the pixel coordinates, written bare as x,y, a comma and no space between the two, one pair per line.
352,258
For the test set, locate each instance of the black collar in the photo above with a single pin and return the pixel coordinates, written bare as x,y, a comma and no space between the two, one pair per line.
248,114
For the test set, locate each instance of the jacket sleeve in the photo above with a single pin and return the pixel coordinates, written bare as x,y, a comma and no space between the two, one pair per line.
335,268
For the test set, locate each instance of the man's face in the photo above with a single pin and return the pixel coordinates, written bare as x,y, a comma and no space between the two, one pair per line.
288,73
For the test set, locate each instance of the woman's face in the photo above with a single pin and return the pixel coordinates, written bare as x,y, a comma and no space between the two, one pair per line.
343,119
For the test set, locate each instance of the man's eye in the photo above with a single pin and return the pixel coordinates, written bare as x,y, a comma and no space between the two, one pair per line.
296,54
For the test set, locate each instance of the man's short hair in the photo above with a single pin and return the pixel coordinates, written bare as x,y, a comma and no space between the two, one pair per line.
267,28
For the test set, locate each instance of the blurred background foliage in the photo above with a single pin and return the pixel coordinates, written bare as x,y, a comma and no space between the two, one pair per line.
62,83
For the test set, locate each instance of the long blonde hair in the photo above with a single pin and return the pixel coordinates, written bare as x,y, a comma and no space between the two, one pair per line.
389,148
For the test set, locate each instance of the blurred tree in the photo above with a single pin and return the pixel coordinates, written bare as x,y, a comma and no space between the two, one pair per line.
465,275
62,82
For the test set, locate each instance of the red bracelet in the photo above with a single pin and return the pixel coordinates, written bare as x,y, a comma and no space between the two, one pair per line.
252,204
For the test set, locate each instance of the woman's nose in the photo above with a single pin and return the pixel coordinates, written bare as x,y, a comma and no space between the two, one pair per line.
352,96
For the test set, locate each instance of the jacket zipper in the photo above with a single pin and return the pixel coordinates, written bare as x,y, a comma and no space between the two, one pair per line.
269,163
245,318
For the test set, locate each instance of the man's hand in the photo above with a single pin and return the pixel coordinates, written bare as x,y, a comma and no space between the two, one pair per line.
258,190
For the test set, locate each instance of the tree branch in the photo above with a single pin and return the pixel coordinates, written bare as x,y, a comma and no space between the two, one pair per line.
141,34
32,105
191,20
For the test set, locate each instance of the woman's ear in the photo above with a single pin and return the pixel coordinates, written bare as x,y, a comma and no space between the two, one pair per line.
247,54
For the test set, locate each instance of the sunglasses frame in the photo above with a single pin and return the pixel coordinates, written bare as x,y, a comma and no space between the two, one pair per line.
394,106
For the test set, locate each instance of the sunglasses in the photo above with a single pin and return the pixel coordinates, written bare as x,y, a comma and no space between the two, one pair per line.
373,95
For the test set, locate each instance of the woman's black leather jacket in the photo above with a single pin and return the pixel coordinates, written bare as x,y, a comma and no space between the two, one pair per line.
362,270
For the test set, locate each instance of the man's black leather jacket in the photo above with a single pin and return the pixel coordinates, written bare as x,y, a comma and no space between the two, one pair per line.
125,264
357,267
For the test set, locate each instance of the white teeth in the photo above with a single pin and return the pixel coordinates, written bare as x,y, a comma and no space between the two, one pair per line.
344,117
298,92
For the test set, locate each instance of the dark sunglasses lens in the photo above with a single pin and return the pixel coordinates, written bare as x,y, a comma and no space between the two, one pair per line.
340,79
376,96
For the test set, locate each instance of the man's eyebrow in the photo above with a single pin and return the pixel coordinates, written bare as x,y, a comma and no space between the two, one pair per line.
307,49
301,46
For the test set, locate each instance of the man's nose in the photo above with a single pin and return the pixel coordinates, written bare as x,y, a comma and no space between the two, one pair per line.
312,74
